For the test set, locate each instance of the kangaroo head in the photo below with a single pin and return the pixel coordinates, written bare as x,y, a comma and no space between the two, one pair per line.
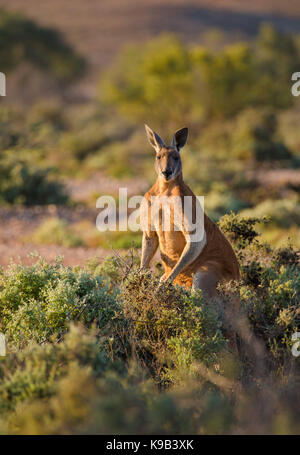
167,161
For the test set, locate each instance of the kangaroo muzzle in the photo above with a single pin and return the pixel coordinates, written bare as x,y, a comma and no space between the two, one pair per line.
167,173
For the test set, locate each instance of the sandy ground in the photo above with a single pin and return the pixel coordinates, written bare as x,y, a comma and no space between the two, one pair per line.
17,224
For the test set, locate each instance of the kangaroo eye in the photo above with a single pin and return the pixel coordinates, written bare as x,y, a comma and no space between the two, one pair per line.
158,157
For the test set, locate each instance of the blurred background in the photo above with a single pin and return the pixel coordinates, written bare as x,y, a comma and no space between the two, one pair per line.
82,78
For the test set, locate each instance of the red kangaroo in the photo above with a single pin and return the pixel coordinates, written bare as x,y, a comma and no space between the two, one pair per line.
201,263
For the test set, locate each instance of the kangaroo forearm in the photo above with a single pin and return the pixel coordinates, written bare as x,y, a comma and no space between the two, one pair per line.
187,257
191,251
149,247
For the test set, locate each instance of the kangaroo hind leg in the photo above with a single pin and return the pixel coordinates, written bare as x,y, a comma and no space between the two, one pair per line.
207,281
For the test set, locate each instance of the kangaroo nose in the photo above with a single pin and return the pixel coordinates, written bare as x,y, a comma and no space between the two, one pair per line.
167,173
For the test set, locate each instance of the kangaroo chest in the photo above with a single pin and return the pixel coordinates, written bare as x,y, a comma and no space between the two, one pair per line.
166,221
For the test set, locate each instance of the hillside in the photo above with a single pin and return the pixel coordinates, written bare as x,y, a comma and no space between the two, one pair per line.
99,29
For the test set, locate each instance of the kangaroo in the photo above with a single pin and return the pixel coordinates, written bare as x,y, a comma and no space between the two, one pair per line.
199,264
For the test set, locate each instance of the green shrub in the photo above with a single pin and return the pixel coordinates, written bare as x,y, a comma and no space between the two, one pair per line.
269,289
220,201
147,78
67,389
55,231
80,145
32,372
168,324
282,213
124,240
255,137
122,158
106,350
22,182
48,113
240,230
43,47
40,301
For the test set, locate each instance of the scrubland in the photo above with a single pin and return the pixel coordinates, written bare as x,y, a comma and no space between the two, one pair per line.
92,345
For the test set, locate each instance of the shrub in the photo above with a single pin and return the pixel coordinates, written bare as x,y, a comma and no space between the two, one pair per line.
168,324
90,236
40,301
21,182
220,201
80,145
270,287
282,213
107,350
55,231
147,79
43,47
256,137
50,114
68,389
240,230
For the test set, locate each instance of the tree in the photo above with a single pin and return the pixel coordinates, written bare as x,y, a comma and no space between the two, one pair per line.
152,82
24,41
165,81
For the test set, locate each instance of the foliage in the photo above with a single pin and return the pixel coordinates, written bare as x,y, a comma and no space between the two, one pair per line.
107,350
240,230
85,142
43,47
282,213
170,323
256,137
55,231
166,80
40,301
22,182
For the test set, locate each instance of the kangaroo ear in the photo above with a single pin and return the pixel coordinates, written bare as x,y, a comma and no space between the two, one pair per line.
154,139
180,138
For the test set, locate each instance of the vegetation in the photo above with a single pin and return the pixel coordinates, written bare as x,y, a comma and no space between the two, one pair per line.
44,48
55,231
102,350
103,347
236,101
23,183
176,81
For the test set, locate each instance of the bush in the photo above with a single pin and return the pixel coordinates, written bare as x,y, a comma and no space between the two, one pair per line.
80,145
255,137
165,80
38,302
67,388
24,183
55,231
282,213
43,47
170,325
270,287
219,201
240,230
107,350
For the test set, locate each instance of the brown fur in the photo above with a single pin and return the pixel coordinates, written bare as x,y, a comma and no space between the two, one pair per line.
216,262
